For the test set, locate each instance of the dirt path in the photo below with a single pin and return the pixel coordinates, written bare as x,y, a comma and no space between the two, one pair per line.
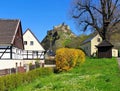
118,62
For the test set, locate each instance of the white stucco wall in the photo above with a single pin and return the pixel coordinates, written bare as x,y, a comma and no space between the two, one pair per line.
6,64
94,43
36,47
28,36
31,55
115,52
16,53
5,55
32,61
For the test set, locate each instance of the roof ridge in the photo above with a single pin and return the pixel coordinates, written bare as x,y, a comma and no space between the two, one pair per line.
10,19
8,29
18,23
28,29
89,39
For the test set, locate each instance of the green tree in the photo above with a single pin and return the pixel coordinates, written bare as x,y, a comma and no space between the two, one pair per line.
75,42
52,36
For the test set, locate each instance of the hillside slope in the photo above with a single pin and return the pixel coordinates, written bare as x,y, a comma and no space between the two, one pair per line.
58,37
62,36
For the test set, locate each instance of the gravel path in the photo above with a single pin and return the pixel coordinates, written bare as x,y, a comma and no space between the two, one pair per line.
118,62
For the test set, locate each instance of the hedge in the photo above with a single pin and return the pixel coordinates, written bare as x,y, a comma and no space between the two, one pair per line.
67,58
9,82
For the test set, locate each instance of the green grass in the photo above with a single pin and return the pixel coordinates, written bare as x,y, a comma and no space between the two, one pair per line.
93,75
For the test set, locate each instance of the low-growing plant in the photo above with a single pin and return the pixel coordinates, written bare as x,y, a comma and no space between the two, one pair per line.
67,58
9,82
37,63
2,86
31,66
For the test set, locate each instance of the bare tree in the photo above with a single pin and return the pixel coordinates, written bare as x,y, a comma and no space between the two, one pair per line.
98,15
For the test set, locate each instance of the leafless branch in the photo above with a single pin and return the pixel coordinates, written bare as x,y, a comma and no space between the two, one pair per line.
100,17
77,16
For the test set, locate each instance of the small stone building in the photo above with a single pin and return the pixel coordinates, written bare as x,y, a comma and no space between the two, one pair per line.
105,49
89,46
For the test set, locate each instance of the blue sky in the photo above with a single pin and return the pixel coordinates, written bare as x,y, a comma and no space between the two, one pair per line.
38,15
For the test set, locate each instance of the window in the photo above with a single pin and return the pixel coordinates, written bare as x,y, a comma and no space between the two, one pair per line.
31,43
98,39
25,42
35,53
17,51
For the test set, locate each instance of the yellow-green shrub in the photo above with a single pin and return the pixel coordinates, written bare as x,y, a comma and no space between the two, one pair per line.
67,58
9,82
2,84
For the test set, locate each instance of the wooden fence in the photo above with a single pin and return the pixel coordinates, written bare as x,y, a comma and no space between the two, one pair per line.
12,71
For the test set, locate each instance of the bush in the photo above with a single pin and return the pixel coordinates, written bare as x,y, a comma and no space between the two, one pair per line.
2,86
37,64
9,82
67,58
31,66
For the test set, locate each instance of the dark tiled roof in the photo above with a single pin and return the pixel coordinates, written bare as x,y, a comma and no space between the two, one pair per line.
105,43
88,39
7,31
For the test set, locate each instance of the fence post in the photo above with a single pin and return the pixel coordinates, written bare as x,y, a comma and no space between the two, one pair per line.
16,67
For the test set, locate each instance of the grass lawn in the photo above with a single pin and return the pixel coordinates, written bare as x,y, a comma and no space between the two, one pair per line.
93,75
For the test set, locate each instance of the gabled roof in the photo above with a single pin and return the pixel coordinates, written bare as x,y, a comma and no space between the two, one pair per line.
88,39
105,43
33,36
8,29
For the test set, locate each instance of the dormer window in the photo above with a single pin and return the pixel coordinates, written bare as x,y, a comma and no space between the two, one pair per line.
98,39
25,42
31,43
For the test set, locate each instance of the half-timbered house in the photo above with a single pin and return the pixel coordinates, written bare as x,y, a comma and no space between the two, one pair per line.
33,48
11,39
